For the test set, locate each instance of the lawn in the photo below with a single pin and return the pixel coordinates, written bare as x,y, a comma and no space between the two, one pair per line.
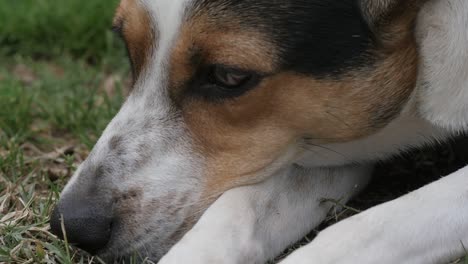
63,75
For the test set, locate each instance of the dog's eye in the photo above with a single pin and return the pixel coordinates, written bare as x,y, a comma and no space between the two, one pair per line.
218,82
229,78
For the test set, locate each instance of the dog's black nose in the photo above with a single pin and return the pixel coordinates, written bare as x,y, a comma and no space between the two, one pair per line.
84,227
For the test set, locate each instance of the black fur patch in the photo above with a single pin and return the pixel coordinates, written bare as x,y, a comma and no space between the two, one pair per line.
324,38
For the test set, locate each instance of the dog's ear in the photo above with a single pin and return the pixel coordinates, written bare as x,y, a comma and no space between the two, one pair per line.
442,92
381,13
391,20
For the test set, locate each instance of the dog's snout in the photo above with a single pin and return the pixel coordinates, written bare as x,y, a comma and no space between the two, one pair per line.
82,224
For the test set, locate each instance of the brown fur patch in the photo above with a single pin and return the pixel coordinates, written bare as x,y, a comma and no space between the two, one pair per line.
137,31
242,137
202,41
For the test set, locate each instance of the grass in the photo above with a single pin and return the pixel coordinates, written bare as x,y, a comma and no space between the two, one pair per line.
52,114
47,28
62,78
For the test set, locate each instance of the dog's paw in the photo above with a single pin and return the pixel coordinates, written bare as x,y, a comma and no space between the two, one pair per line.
206,251
353,241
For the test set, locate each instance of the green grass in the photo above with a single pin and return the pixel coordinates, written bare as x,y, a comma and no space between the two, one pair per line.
45,28
62,96
52,113
63,75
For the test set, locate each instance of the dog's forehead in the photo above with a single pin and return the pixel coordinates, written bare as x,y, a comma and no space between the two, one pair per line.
167,15
317,36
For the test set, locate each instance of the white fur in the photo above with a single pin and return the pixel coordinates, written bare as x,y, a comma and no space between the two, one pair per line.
253,224
427,226
172,171
443,95
424,227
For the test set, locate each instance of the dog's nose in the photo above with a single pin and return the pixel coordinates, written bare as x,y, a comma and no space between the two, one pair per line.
84,226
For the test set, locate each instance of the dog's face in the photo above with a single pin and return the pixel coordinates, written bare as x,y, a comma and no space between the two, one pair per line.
226,93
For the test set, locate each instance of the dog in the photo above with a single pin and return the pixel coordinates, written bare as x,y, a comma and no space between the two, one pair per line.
245,114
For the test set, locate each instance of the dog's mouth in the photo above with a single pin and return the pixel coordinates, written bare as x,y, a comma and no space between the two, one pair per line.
145,248
139,255
135,256
145,245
